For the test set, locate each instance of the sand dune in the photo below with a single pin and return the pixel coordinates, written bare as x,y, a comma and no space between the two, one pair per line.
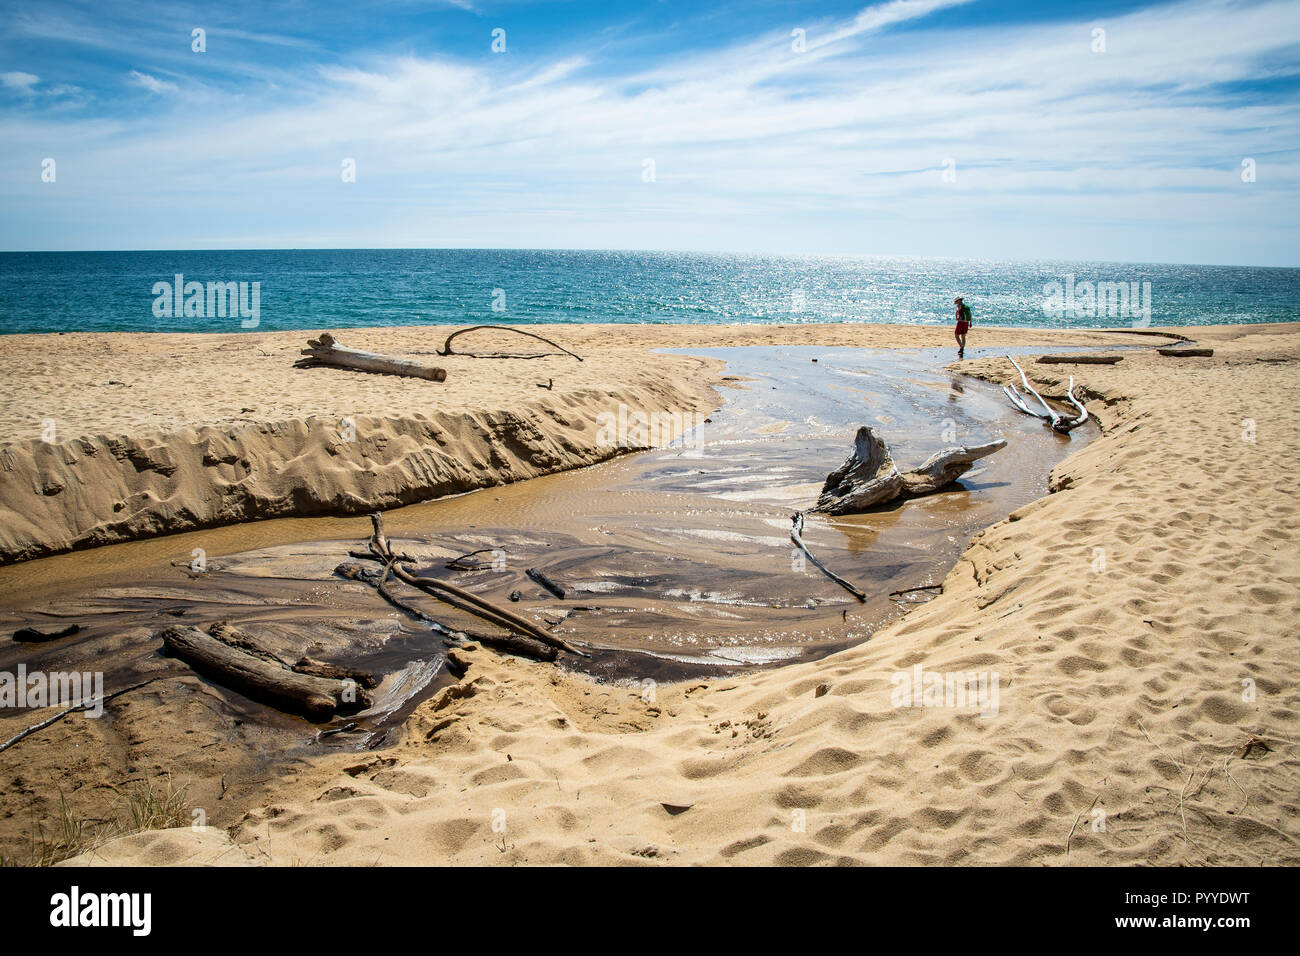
1139,621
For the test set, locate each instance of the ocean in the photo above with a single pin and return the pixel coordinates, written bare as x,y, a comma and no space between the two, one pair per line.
342,288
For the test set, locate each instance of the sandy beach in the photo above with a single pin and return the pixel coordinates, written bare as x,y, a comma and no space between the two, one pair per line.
1135,621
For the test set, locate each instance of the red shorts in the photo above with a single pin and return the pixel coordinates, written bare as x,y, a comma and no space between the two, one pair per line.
963,328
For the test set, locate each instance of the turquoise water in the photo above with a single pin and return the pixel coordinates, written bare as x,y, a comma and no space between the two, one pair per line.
298,289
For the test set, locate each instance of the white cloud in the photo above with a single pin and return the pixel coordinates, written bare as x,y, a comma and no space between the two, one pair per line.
152,83
18,80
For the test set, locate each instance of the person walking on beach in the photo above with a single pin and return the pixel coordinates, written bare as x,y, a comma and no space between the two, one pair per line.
963,325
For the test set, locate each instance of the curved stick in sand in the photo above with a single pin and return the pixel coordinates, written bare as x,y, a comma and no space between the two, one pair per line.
797,538
446,346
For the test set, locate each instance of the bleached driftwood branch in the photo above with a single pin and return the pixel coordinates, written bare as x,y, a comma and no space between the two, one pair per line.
945,467
870,477
1048,414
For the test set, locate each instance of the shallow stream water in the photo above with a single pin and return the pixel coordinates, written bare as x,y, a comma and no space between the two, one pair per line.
675,562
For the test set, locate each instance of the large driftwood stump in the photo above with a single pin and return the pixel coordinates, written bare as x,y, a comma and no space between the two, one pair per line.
327,351
316,698
870,477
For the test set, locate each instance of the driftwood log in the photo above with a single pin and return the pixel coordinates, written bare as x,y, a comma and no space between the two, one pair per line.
1079,359
870,477
241,640
943,468
1174,351
316,698
327,351
541,577
508,643
31,635
382,551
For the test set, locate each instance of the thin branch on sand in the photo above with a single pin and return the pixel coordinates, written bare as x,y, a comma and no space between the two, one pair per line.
795,536
1182,811
71,710
922,587
1226,758
1077,817
1177,763
446,346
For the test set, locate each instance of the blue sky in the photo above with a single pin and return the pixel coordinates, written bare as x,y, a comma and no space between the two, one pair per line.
977,128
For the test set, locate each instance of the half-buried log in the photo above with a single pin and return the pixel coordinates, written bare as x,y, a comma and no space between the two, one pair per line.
316,698
1174,351
31,635
327,351
1079,359
540,576
870,477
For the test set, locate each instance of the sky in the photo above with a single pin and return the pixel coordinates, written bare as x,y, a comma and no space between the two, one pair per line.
1107,130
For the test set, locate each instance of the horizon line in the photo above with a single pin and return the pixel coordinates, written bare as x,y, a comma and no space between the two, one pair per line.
684,252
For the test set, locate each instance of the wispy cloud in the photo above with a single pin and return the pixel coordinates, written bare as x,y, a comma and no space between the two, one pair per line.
152,83
1050,147
18,80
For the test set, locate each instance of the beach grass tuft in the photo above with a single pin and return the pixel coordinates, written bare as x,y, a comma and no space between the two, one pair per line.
148,805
